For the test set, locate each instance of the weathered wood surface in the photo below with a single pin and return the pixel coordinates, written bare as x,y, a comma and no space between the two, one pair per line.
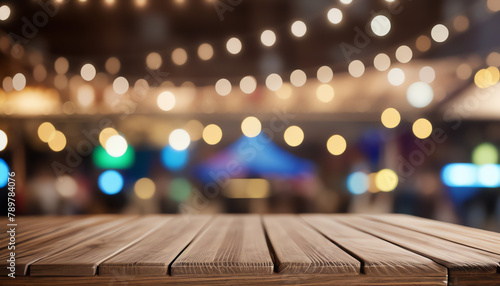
232,244
301,249
379,256
250,250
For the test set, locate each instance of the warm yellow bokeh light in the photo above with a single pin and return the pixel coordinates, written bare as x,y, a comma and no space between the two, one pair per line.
179,56
274,82
195,129
298,78
166,101
57,142
356,68
248,84
299,29
46,131
285,91
422,128
336,145
251,126
324,74
325,93
390,118
88,72
234,46
386,180
154,61
223,87
105,134
485,78
294,136
144,188
212,134
205,51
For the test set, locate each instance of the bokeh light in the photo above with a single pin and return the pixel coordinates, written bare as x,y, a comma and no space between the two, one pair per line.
268,38
274,82
112,65
251,126
396,76
212,134
334,15
299,29
3,140
356,68
423,43
382,62
57,142
427,74
390,118
195,129
19,81
325,93
285,91
116,146
223,87
488,175
386,180
336,145
85,95
404,54
293,136
205,51
234,46
4,173
380,25
461,23
120,85
154,61
357,183
4,12
419,94
103,160
298,78
46,131
422,128
248,84
105,134
110,182
174,160
179,189
144,188
179,139
179,56
61,65
166,101
439,33
88,72
485,153
324,74
66,186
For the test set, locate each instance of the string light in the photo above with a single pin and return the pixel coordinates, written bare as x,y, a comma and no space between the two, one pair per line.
299,29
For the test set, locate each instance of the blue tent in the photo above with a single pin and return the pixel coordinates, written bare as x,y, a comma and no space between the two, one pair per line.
257,157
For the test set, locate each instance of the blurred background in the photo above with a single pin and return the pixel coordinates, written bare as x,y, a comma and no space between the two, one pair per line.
235,106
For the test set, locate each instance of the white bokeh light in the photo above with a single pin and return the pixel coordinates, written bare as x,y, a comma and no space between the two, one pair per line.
299,29
120,85
268,38
381,25
427,74
116,146
419,94
234,46
440,33
223,87
334,16
166,101
396,76
179,139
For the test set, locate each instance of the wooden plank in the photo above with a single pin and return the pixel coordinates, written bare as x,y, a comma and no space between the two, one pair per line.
459,259
41,246
477,238
83,258
380,258
228,280
231,244
152,255
301,249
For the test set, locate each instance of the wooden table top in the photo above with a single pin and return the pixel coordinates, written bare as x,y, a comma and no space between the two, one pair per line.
307,249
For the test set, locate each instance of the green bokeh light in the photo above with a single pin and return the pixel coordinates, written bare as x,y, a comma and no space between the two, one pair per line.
103,160
179,189
485,153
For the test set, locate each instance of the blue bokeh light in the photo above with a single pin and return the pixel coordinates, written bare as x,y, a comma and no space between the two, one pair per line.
357,183
459,175
174,160
4,173
110,182
489,175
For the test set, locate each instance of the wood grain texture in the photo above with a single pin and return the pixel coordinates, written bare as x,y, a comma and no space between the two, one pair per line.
152,255
228,280
300,249
82,259
477,238
379,256
46,244
231,244
459,259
